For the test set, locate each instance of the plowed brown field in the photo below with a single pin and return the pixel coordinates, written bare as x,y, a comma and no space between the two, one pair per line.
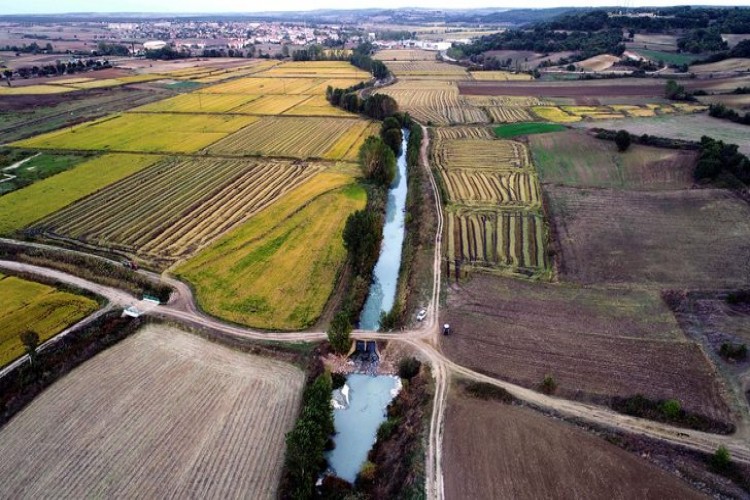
596,343
493,450
161,414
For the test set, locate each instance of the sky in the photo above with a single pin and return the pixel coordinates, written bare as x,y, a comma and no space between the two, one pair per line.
221,6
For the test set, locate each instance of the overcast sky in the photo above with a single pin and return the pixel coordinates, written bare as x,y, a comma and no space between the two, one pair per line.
220,6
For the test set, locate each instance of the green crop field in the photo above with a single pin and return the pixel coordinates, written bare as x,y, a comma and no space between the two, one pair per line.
25,206
25,305
516,129
36,168
277,270
668,57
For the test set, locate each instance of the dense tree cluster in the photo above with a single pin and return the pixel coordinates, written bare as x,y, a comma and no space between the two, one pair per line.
545,40
306,442
702,40
57,69
725,113
676,92
717,158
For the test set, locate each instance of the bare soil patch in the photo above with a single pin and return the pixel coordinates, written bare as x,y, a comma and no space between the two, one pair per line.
678,239
162,413
494,450
596,343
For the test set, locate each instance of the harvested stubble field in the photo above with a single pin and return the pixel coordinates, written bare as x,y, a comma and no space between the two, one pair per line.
481,154
486,238
162,413
504,101
171,209
598,63
405,55
252,275
25,206
508,115
575,158
667,238
425,68
158,132
439,104
740,102
596,343
503,76
198,103
294,137
25,305
689,128
567,114
496,450
462,133
471,187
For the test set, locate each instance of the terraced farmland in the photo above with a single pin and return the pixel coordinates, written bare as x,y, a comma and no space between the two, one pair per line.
25,305
504,238
329,138
162,132
177,206
569,114
162,413
252,275
261,85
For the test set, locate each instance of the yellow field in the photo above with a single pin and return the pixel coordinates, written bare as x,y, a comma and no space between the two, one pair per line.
198,103
65,81
565,114
35,90
294,137
271,104
264,85
25,305
261,85
114,82
163,132
252,275
554,114
499,76
317,105
24,206
317,69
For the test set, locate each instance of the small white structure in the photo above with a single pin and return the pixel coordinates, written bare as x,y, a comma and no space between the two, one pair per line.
154,45
132,311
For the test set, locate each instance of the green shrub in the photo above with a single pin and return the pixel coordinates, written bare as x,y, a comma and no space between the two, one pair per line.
408,368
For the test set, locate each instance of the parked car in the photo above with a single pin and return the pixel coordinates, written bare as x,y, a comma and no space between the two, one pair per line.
421,315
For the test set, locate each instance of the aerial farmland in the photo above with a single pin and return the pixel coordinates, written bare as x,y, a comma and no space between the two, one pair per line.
380,253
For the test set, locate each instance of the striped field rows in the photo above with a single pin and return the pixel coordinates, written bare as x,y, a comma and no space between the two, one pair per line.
176,206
